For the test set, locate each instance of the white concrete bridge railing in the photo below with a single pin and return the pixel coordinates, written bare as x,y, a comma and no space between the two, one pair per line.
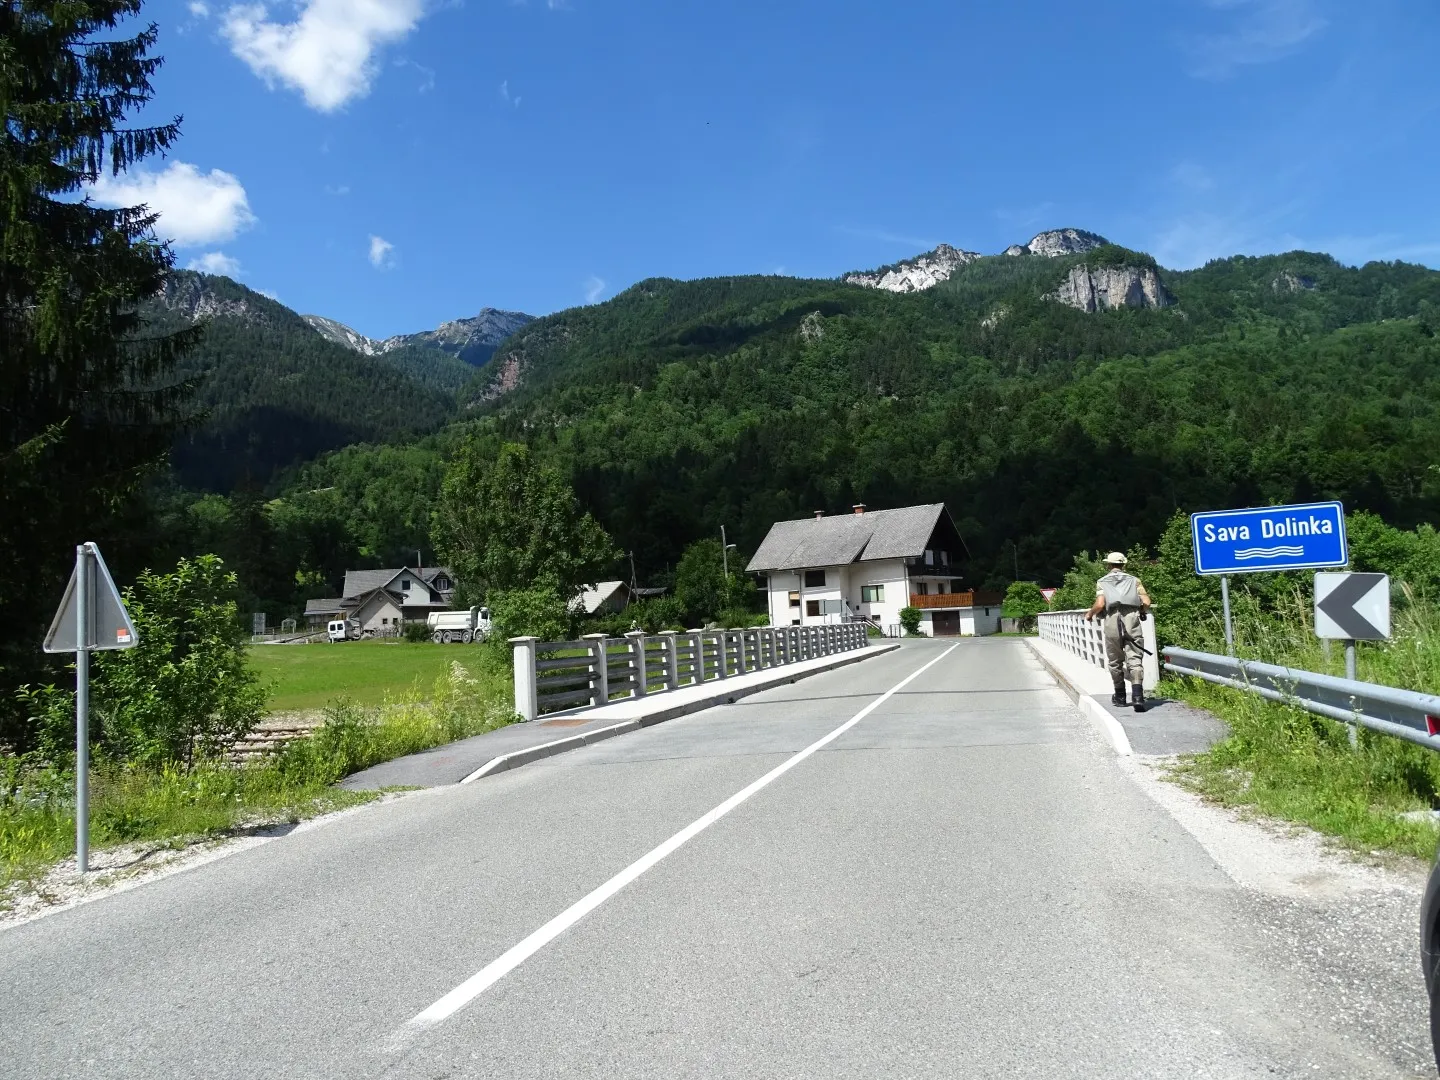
1069,630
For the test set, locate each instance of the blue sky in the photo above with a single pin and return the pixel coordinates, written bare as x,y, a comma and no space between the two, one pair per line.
397,163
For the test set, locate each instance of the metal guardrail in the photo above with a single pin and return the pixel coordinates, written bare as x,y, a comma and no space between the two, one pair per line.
1405,714
1071,631
552,675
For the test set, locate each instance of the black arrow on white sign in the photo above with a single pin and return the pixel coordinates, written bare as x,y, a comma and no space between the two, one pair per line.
1353,609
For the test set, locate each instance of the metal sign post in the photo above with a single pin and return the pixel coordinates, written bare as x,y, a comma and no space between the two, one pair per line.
1351,607
1225,601
82,708
91,616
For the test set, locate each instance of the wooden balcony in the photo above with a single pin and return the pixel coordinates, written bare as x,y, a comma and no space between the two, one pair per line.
971,598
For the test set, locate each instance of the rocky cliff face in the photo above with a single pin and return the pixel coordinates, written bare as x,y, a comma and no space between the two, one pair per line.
928,270
1058,242
914,275
1103,288
341,334
472,340
189,294
1289,281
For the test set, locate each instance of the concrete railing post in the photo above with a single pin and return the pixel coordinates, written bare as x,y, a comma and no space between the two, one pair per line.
637,661
671,638
740,649
526,701
697,656
722,655
600,669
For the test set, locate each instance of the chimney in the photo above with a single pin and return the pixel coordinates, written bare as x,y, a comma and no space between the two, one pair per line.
859,508
819,514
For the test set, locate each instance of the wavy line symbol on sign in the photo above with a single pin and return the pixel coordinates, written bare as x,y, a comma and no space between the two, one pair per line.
1269,553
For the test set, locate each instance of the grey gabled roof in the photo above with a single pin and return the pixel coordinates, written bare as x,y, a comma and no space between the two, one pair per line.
323,607
834,541
359,582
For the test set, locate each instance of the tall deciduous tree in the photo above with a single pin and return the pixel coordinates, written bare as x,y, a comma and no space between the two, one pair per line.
507,521
84,412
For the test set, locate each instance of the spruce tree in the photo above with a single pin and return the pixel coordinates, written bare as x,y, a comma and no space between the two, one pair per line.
86,411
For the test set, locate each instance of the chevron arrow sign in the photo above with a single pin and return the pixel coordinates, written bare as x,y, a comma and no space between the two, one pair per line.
1352,607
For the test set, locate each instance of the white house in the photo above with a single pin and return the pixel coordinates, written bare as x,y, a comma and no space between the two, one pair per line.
870,564
384,600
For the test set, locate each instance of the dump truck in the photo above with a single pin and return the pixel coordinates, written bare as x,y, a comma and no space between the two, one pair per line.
449,627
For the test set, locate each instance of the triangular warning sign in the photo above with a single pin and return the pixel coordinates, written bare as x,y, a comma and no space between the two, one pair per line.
110,626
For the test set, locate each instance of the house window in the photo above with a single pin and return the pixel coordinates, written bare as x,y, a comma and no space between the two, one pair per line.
814,579
944,558
794,599
872,594
929,557
405,584
812,607
442,583
385,622
923,589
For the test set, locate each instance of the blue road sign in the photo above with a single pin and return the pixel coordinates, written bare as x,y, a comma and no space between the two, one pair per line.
1303,537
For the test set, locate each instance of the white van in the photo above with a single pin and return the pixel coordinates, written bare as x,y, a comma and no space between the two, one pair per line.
337,629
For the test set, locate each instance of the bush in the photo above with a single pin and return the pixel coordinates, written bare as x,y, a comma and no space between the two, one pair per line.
534,612
655,614
417,632
181,696
1024,601
910,620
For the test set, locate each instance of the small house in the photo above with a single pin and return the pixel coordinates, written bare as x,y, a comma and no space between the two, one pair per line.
869,564
384,600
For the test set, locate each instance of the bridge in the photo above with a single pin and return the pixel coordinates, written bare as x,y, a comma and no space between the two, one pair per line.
923,862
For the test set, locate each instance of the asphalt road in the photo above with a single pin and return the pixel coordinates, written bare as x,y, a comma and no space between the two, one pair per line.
961,884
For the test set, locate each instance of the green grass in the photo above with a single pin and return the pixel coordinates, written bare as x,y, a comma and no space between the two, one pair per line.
176,807
309,677
1286,763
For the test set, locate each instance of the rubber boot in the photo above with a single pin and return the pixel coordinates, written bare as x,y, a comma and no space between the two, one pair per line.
1137,696
1118,697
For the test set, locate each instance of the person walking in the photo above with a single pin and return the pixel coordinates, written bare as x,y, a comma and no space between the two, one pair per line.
1124,603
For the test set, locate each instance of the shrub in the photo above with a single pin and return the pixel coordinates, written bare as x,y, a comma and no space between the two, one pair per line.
910,620
1024,601
656,614
534,612
417,632
185,692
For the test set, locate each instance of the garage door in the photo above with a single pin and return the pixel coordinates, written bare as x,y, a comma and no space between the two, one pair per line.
945,623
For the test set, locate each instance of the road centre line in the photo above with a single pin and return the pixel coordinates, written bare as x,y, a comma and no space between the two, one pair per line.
512,958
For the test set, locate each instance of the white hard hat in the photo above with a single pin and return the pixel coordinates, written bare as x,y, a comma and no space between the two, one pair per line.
1116,558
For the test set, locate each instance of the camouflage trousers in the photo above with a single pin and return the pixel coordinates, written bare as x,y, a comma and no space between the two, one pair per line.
1126,658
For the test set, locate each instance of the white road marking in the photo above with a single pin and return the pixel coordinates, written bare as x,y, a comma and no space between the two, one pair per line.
508,961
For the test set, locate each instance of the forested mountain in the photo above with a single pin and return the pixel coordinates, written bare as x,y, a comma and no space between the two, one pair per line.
275,393
681,406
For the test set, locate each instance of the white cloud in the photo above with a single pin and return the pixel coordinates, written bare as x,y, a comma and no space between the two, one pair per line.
1262,31
337,189
272,295
380,253
505,93
594,289
194,207
328,53
215,262
199,10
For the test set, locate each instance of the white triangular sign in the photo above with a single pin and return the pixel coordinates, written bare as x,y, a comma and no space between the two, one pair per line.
110,625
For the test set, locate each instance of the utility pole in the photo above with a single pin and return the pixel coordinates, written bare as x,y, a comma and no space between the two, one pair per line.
632,571
1015,550
725,555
